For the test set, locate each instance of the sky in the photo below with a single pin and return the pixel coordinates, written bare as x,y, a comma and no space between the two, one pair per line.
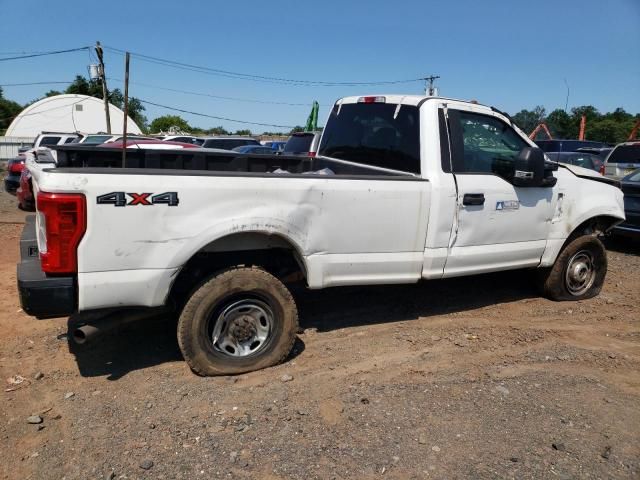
511,54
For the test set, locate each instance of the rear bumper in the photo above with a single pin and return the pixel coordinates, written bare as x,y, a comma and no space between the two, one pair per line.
40,295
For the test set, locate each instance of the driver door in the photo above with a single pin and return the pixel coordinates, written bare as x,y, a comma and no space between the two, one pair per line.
498,225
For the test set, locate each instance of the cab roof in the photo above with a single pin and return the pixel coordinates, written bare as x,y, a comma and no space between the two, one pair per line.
414,100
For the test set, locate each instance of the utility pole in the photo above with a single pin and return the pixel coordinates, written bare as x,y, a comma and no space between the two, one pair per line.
429,89
126,108
103,77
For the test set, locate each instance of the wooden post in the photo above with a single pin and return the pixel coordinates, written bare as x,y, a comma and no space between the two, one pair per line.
103,77
126,109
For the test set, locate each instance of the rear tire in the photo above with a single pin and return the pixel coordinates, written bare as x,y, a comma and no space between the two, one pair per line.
242,319
578,273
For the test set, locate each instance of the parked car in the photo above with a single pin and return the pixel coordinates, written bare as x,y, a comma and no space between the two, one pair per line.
630,186
567,145
100,138
255,149
227,143
153,144
622,160
276,146
581,159
12,177
15,165
302,143
601,152
180,138
218,238
24,193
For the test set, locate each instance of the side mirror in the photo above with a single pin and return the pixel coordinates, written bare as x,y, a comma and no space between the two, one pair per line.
529,168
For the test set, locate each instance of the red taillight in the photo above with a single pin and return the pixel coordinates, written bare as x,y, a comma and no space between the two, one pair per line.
372,100
311,154
16,167
64,217
602,169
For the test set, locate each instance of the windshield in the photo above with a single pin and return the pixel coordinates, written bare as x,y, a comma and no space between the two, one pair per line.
378,134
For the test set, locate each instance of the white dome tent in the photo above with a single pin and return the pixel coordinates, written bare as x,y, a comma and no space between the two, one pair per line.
68,113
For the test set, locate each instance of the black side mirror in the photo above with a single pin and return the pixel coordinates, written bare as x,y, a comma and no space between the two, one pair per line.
529,168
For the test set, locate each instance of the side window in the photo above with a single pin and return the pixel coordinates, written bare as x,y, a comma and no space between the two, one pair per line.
488,145
49,140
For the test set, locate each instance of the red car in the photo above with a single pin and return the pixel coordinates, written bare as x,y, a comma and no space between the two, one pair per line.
150,144
24,193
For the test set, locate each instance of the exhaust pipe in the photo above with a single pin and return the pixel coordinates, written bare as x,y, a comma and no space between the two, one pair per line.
84,334
88,330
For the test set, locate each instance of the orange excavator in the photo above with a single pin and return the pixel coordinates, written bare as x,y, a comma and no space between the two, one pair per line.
541,126
634,131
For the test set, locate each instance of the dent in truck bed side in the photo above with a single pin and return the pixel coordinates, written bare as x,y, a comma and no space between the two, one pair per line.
344,229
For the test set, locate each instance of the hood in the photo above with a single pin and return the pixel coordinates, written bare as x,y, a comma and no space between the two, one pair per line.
580,171
588,174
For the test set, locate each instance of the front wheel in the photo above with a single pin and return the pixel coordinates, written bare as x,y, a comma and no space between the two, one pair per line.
240,320
579,271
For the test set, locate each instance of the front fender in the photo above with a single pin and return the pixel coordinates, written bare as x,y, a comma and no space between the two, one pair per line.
580,200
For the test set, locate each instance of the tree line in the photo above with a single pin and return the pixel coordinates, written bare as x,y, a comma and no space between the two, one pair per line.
612,127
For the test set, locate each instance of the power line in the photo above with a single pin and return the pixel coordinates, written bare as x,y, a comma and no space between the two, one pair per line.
254,77
213,116
221,97
34,83
55,52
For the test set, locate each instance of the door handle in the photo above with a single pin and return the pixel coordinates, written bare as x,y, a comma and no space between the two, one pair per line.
473,199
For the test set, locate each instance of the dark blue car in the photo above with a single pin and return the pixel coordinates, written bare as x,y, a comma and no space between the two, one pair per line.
254,149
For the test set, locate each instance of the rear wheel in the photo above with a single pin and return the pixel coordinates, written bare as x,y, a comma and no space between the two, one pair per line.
579,271
240,320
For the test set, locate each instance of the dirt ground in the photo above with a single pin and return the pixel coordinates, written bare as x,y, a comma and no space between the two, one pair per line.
466,378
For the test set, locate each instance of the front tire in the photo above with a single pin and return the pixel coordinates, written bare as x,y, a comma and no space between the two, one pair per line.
240,320
578,273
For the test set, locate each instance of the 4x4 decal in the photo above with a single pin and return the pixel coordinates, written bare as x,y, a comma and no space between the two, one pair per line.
119,199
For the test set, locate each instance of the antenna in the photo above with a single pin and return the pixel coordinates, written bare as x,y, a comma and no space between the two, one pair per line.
429,89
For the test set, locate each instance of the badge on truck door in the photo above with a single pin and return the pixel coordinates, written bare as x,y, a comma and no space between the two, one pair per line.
508,205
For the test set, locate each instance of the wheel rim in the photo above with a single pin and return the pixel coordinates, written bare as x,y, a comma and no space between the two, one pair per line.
242,328
580,273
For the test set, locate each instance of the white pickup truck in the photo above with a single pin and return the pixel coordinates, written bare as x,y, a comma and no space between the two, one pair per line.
404,188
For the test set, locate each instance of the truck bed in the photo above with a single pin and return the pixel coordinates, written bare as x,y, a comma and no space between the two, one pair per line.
204,160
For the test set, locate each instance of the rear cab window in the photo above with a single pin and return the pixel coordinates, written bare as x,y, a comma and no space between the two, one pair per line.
383,135
625,154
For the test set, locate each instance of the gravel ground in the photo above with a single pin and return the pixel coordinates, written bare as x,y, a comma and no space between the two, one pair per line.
466,378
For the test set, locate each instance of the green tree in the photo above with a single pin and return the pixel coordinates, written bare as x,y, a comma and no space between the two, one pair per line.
216,131
608,130
296,129
243,132
527,120
93,88
561,124
167,123
8,111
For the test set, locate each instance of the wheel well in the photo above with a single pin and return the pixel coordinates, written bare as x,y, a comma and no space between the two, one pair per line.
274,253
596,226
